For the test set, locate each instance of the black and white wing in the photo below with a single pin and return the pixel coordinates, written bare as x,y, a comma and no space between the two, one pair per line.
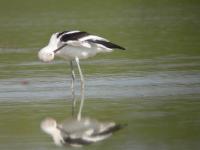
87,131
84,39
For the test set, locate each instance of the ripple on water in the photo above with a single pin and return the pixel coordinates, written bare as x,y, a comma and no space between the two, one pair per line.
112,86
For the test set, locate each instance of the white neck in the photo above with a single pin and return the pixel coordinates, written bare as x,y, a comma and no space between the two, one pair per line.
57,137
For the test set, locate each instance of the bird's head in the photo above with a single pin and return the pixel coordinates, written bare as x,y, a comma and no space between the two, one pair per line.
49,125
47,53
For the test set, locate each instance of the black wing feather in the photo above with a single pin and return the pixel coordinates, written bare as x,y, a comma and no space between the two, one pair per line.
72,36
110,130
107,44
76,141
61,33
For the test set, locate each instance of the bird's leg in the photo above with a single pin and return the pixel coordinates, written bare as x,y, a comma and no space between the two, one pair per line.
72,88
82,89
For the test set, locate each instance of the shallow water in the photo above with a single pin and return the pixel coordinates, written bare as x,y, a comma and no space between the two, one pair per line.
153,86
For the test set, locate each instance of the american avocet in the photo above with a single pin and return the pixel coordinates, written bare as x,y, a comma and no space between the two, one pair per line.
72,46
78,133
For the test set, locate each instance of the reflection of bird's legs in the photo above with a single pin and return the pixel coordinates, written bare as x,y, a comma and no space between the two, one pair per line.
82,89
72,88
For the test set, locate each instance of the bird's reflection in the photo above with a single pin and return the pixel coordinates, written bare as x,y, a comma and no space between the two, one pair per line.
78,133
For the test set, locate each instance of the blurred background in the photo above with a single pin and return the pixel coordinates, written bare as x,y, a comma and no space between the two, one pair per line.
153,86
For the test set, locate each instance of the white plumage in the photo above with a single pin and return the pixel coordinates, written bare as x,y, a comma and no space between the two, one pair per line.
72,46
77,133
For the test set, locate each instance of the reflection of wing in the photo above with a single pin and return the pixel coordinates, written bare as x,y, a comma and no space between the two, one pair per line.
76,141
84,39
108,130
86,131
75,126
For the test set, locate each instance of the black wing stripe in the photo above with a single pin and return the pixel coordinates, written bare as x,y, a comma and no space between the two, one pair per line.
61,33
73,36
76,141
107,44
110,130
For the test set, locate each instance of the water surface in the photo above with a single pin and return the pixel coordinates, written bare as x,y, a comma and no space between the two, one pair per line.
153,86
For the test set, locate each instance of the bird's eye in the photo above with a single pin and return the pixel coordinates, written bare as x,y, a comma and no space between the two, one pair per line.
50,55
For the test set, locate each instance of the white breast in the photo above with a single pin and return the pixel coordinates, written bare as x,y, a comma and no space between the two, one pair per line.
71,52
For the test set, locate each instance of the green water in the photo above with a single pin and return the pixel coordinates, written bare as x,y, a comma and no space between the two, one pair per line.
153,86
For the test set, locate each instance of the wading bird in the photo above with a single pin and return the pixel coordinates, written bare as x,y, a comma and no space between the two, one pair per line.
78,133
73,46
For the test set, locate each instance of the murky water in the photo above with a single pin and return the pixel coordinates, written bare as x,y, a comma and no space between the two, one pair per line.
153,86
